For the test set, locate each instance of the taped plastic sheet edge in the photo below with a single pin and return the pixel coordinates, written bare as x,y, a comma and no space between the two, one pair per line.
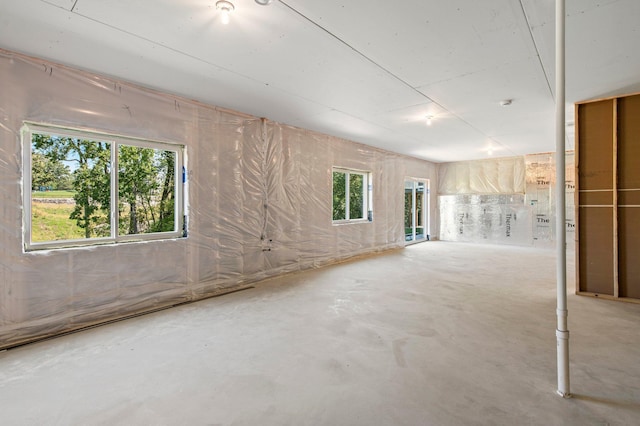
259,203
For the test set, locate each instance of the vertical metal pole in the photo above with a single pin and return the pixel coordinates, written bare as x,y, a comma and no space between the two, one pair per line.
562,332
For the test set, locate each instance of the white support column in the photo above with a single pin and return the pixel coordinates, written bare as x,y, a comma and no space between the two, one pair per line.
562,332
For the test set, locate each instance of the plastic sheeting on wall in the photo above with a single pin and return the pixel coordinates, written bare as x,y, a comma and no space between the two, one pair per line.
259,203
482,218
491,176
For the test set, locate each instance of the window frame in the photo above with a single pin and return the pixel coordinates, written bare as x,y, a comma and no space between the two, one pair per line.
367,196
180,210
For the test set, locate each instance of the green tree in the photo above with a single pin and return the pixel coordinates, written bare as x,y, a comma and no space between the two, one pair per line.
49,173
354,187
146,182
167,164
408,211
339,195
356,196
91,178
136,183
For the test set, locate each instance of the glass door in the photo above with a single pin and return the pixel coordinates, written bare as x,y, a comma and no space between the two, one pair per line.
416,210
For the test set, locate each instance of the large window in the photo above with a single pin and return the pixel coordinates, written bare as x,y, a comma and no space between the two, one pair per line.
351,195
83,188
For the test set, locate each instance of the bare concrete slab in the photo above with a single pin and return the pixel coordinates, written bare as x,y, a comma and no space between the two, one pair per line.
436,334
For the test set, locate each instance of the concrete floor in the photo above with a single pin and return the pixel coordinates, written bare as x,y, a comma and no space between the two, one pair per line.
436,334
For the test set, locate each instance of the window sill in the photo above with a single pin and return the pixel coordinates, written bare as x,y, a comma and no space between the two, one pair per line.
95,243
350,222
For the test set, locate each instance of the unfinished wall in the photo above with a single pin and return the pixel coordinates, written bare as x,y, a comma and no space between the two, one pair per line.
245,175
608,132
505,200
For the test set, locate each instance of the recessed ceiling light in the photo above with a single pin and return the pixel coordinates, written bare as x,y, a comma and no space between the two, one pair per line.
506,102
429,120
264,2
225,7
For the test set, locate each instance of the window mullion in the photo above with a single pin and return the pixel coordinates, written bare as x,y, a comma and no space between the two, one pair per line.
370,196
365,190
347,195
28,185
113,200
179,180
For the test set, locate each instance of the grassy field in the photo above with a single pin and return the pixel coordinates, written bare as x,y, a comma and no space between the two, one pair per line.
52,194
50,222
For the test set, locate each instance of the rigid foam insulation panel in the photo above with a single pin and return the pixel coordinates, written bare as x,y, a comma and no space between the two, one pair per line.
541,196
498,219
504,200
608,169
244,174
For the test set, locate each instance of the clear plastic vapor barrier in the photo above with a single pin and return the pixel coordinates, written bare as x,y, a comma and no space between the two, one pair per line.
164,200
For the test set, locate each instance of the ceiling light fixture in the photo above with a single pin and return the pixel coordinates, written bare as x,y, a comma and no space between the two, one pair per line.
264,2
506,102
429,120
225,7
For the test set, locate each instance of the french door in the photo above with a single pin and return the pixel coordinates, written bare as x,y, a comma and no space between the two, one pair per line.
416,210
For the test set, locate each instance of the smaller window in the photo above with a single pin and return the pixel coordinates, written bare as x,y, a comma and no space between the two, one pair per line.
351,195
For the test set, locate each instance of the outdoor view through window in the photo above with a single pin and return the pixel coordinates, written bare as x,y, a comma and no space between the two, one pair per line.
349,195
77,181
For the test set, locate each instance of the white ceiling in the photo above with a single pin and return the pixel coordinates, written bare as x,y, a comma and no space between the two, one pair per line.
365,70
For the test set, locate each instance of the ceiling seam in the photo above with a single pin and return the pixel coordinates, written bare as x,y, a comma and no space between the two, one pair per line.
164,46
414,89
188,55
360,53
535,46
544,71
